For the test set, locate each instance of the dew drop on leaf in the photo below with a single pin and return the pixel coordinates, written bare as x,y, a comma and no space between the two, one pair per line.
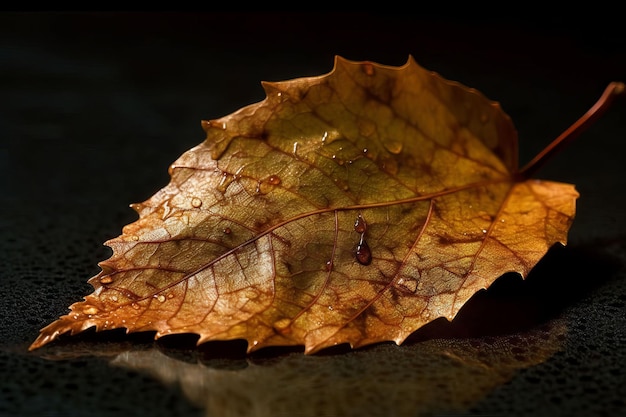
394,146
282,324
360,226
196,202
90,310
363,252
224,182
274,180
227,231
106,280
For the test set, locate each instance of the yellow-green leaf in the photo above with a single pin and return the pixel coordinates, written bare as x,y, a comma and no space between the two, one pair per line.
352,207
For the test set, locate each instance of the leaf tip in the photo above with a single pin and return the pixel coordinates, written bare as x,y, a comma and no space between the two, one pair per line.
137,207
46,335
39,342
208,125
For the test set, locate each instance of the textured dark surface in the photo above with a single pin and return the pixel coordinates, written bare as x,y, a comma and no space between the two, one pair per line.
94,108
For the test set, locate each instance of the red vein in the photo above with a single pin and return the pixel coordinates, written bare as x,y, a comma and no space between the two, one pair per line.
487,236
327,210
393,281
327,280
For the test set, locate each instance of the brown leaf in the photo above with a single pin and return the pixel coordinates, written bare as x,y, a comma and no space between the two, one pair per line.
352,207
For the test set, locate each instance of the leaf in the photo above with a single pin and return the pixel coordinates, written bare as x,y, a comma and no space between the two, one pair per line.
352,207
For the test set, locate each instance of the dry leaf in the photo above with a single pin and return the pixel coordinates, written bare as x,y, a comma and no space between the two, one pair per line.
352,207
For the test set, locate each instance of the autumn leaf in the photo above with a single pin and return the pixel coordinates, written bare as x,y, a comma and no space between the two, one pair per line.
352,207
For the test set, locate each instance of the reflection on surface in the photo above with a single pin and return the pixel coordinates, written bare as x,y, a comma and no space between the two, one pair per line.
433,376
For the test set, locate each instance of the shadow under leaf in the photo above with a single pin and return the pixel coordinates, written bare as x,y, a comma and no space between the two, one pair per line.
434,376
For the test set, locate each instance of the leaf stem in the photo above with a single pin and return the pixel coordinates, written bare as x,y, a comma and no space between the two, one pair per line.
613,90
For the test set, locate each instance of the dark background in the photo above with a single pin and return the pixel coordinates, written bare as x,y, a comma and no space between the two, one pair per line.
95,106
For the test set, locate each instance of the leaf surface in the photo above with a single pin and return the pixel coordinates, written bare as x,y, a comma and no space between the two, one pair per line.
352,207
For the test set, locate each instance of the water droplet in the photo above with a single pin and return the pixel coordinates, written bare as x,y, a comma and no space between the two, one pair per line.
135,306
282,324
90,310
237,173
329,265
365,150
363,252
330,308
225,181
227,231
196,202
324,136
408,284
106,280
484,230
274,180
166,210
161,298
134,238
114,298
170,296
360,226
393,146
